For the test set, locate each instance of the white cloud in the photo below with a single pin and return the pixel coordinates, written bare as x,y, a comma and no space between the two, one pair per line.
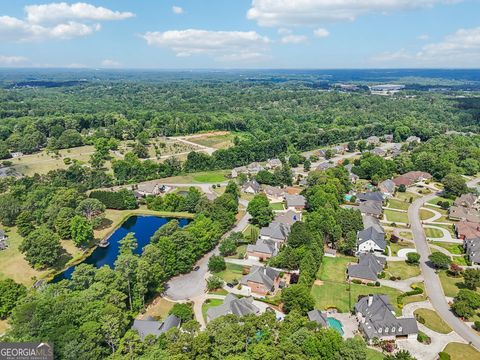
321,33
109,63
177,10
294,39
12,60
424,37
219,44
313,12
55,12
284,31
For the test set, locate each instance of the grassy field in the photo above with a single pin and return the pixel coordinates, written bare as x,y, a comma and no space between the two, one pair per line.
398,204
396,216
426,214
435,200
158,309
374,354
277,206
334,269
433,321
450,284
335,294
406,196
232,272
458,351
433,233
208,304
406,234
452,247
216,176
215,140
402,269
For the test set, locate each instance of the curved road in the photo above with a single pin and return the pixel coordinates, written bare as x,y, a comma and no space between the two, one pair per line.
433,285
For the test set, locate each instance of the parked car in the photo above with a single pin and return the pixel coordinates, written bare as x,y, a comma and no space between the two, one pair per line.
196,268
230,285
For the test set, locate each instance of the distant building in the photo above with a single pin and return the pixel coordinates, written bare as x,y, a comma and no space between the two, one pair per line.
273,164
388,138
466,200
156,328
463,213
387,188
373,140
472,249
377,320
238,170
3,235
325,165
274,193
233,305
318,317
413,139
288,217
371,196
379,152
251,187
275,231
467,230
254,168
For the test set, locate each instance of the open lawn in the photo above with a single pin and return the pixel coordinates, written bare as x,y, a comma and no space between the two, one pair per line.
406,234
277,206
395,247
451,285
432,233
435,200
335,294
216,176
406,196
158,309
398,204
451,247
458,351
334,269
374,354
433,321
402,269
426,214
214,140
208,304
396,216
232,272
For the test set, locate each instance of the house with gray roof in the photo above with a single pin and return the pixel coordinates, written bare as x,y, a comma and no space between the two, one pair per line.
295,202
238,170
367,268
351,176
288,217
466,200
273,163
325,165
262,250
370,196
251,187
261,280
275,231
370,221
254,168
233,305
472,249
413,139
388,138
274,193
379,152
373,140
150,326
377,320
371,240
387,188
371,208
318,317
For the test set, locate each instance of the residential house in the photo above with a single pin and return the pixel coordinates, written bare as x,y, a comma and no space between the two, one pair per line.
322,153
467,230
150,188
464,213
388,138
472,249
411,178
373,140
371,196
254,168
296,202
238,170
292,190
273,164
367,268
318,317
351,176
233,305
261,280
466,200
370,221
274,193
371,208
251,187
275,231
371,240
396,150
413,139
387,188
150,326
377,320
288,217
379,151
325,165
339,149
262,250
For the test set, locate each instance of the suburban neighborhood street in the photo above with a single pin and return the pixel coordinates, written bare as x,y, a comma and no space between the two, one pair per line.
433,285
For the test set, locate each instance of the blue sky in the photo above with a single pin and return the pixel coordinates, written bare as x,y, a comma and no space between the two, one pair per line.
168,34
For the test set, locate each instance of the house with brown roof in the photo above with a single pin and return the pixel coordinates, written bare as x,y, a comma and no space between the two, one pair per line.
464,213
467,230
274,193
411,178
467,200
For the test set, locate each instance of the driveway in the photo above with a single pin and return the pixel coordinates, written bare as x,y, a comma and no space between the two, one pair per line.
433,285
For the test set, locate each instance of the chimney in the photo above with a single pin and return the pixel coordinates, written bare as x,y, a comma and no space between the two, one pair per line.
370,300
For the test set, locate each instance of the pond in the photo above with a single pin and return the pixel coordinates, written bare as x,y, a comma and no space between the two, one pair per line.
142,226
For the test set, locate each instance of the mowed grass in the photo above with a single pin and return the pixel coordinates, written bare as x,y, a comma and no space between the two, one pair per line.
426,214
433,321
232,272
415,298
458,351
277,206
435,200
395,247
398,204
402,269
374,354
406,196
396,216
334,269
451,285
406,234
216,176
432,232
208,304
453,248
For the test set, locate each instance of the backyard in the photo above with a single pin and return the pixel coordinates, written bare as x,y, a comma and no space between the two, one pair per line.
278,206
158,309
398,204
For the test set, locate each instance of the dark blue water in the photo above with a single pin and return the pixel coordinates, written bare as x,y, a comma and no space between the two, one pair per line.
142,226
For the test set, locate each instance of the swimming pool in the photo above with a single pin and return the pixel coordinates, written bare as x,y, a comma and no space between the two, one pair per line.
335,324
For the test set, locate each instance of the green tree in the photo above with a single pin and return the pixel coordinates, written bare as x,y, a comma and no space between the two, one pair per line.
471,278
440,260
228,247
91,208
216,264
260,210
213,283
42,247
413,258
454,185
81,230
11,293
400,355
63,222
182,311
297,297
25,223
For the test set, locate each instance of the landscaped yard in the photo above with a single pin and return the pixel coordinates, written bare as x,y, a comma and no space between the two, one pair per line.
247,232
458,351
395,247
217,141
334,269
426,214
406,196
432,232
232,272
415,298
435,200
450,284
401,269
396,216
433,321
451,247
208,304
240,253
336,294
398,204
277,206
406,234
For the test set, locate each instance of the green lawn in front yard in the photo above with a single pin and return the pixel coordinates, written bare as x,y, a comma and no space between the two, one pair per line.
396,216
433,233
335,294
398,204
451,285
401,269
232,272
208,304
453,248
406,196
277,206
240,253
435,200
247,232
334,269
459,351
395,247
426,214
406,234
433,321
459,260
415,298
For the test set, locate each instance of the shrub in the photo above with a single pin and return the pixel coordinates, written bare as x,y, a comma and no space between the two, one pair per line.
381,275
440,260
394,239
214,283
476,325
377,283
420,319
356,281
393,278
216,264
413,258
370,284
423,338
443,356
182,311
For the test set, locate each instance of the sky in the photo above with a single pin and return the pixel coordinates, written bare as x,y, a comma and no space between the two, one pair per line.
206,34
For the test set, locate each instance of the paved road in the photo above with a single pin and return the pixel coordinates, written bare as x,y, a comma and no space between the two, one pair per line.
433,285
